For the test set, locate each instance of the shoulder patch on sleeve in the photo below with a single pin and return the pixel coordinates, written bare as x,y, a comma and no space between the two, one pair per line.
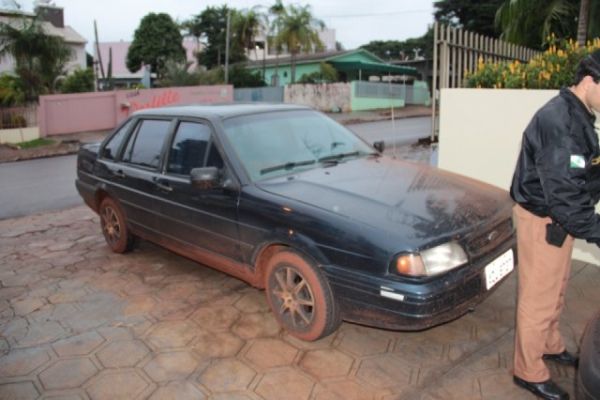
577,161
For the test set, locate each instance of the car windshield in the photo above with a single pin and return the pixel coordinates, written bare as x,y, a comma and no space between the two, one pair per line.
277,143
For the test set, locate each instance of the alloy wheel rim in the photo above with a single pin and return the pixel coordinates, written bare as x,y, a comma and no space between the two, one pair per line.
111,225
294,297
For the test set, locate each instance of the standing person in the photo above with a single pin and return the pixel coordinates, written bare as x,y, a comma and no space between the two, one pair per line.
556,185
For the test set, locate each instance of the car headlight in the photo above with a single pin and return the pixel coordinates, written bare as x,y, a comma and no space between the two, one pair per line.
430,262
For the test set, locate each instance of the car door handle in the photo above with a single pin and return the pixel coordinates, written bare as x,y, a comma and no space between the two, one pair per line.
119,173
163,187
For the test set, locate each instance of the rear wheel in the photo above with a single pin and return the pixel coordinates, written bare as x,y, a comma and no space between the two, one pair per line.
114,226
300,297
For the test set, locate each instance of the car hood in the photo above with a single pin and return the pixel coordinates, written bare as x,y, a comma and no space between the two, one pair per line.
411,201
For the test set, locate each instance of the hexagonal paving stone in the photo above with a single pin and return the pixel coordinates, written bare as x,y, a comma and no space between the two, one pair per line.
286,383
268,353
172,334
171,366
384,371
142,304
346,389
227,375
326,363
68,374
22,362
20,391
79,345
122,384
123,353
252,301
215,319
251,326
224,344
179,391
172,310
363,341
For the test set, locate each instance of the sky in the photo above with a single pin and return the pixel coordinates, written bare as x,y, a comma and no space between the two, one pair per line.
356,22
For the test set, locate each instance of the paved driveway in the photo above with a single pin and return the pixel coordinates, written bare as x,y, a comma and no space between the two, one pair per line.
77,322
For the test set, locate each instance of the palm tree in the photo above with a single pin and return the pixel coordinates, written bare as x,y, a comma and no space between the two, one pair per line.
39,58
530,22
277,10
247,25
299,33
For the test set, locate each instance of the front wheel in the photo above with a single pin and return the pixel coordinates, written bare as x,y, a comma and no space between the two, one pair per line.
114,226
300,297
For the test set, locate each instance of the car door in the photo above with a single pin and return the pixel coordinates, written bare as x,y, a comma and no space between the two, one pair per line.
134,176
204,218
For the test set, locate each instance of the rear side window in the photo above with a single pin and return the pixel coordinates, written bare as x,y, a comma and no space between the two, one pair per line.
145,145
189,148
113,145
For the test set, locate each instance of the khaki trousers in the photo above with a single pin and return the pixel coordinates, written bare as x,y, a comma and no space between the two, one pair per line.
543,272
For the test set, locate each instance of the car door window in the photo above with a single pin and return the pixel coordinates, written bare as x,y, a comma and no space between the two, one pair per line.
114,143
145,145
189,148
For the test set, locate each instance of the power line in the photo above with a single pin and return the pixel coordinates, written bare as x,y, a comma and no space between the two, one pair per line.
378,14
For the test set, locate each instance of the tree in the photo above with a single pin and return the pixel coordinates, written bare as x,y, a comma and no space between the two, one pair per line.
39,58
211,26
299,33
473,15
277,11
12,92
81,80
531,22
156,41
247,25
402,49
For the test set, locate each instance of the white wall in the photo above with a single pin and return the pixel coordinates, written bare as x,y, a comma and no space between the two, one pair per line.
480,136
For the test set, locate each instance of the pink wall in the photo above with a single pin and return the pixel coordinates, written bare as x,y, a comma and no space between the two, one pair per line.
88,112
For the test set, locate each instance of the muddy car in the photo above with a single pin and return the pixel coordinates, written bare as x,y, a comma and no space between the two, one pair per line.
288,200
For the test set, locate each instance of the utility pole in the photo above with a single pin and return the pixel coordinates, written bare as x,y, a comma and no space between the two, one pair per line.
227,48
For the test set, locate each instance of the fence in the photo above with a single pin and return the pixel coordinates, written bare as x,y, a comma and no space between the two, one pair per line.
456,52
263,94
18,117
410,94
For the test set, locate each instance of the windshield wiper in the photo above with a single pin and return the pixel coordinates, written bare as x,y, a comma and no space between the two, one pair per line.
288,165
338,157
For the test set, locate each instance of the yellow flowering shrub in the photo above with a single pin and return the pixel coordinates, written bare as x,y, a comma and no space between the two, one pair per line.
551,69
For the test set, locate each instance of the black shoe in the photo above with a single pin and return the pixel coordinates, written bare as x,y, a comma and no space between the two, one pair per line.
564,358
545,390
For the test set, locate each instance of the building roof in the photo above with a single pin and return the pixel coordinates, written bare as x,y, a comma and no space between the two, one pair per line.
18,19
348,60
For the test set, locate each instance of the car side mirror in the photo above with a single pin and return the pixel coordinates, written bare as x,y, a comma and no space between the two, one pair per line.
379,146
205,178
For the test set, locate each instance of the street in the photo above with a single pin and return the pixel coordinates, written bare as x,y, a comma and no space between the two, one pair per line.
34,186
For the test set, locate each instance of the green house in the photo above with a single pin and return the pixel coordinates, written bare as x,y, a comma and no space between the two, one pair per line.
351,65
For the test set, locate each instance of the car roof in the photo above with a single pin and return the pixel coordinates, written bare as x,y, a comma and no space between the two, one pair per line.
221,111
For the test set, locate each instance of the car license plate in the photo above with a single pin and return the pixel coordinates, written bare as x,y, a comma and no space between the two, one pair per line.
498,269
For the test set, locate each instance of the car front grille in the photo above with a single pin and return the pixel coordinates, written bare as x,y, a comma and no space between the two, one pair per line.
490,239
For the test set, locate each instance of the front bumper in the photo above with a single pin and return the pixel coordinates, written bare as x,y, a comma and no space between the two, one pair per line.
418,305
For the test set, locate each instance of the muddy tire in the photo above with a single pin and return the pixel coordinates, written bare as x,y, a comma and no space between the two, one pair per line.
114,226
300,296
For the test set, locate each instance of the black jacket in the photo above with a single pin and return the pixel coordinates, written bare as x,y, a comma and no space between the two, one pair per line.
558,170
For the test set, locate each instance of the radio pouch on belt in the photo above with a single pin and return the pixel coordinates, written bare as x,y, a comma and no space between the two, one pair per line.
555,234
